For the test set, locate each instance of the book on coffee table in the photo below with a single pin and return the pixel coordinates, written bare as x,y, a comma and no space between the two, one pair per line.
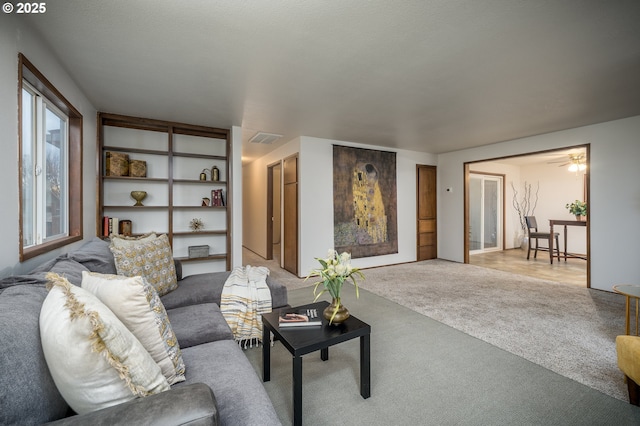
299,318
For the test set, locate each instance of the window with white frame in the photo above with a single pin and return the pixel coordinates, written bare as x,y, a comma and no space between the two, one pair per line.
50,166
44,174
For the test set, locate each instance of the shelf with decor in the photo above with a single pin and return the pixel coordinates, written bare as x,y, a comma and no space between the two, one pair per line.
135,207
180,167
141,179
198,182
183,233
116,148
196,155
200,207
220,256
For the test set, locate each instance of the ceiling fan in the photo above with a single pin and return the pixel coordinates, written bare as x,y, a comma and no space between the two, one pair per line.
575,162
573,159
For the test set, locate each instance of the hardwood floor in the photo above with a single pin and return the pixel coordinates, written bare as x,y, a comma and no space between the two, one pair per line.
573,271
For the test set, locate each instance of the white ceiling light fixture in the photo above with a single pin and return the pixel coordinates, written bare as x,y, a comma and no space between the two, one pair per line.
265,138
577,167
577,163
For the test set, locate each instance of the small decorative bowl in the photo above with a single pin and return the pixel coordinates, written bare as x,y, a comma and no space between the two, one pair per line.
138,196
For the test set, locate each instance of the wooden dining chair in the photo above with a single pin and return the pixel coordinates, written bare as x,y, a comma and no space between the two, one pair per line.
533,233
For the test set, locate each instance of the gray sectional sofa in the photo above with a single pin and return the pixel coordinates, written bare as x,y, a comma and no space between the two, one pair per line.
221,386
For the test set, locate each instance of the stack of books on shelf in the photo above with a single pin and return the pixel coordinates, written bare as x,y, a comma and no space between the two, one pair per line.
113,225
217,199
301,318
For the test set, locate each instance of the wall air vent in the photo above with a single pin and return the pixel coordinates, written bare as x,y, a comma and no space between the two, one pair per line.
265,138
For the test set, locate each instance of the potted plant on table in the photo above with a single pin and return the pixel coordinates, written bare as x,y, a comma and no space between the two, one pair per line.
578,208
336,269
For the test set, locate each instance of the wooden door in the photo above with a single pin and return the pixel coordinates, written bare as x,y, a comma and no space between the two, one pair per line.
426,214
290,214
274,210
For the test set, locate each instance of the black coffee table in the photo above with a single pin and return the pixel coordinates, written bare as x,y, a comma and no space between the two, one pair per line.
303,340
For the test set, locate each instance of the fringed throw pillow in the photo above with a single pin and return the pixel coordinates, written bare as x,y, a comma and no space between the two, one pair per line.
137,304
95,361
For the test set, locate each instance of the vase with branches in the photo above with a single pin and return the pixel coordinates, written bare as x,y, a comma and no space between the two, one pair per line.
525,205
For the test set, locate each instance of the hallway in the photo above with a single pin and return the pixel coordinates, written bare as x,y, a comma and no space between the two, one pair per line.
276,272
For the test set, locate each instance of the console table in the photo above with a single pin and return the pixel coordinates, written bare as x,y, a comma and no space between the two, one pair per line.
564,223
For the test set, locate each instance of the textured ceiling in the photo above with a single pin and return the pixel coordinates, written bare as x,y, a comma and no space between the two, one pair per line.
427,75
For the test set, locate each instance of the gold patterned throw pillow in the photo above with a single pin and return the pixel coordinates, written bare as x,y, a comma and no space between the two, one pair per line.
95,361
123,241
137,304
151,259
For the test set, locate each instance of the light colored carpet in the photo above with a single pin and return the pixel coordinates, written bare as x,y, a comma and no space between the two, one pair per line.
566,329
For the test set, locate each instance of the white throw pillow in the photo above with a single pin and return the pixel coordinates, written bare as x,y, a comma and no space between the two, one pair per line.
137,304
93,358
151,259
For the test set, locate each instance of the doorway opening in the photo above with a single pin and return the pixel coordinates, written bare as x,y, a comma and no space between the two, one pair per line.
427,212
274,212
553,178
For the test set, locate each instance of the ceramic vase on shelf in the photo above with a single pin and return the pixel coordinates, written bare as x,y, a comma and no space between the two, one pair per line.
340,316
138,196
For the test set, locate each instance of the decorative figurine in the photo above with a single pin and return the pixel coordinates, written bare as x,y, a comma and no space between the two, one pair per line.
196,224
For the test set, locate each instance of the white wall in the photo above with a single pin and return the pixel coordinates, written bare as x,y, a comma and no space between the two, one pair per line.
614,199
16,37
316,201
557,188
234,196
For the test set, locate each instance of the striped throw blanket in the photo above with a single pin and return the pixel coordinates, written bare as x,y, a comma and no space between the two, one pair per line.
245,297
